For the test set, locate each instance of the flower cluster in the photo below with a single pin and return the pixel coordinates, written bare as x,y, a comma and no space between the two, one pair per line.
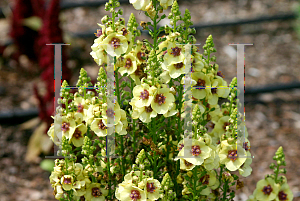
161,134
272,187
73,177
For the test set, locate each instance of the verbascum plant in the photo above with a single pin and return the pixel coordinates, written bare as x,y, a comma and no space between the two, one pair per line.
139,146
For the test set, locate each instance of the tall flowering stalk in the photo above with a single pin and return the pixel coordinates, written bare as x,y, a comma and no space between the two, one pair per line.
153,158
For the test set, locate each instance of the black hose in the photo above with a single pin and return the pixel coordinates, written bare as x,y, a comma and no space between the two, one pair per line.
288,16
18,116
271,88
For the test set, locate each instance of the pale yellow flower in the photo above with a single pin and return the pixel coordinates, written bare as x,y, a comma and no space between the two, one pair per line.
143,95
67,182
140,4
68,127
201,88
198,151
95,192
229,156
78,135
152,187
162,100
267,189
174,54
118,42
166,3
130,65
219,89
175,69
284,193
130,193
99,126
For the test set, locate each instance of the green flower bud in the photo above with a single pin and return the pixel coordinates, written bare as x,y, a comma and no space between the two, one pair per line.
190,173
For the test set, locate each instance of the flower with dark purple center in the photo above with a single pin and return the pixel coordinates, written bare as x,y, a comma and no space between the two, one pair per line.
140,55
160,99
135,195
79,108
200,84
125,32
232,155
267,190
67,180
180,147
205,179
65,126
282,196
178,65
144,94
225,125
196,150
115,42
148,109
150,187
77,134
176,51
101,125
96,192
128,63
219,73
213,90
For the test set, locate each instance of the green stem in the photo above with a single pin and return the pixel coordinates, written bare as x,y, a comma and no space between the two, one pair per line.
123,157
220,177
276,173
117,84
225,191
109,175
154,41
195,180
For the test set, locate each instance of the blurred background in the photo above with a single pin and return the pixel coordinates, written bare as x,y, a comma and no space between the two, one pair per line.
272,92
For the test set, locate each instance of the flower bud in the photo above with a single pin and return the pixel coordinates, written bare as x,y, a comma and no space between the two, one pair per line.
179,179
190,173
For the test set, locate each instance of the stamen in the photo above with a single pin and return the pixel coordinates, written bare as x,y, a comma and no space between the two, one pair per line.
80,108
144,95
267,190
101,125
150,187
196,150
115,42
232,155
77,133
140,55
135,195
282,196
128,63
96,192
65,126
200,84
178,65
148,109
160,99
176,51
67,180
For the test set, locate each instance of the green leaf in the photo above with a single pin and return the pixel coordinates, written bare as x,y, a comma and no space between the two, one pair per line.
47,165
163,16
